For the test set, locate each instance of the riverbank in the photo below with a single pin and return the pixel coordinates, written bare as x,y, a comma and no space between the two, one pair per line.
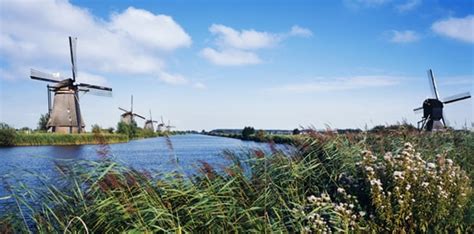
268,138
366,182
37,139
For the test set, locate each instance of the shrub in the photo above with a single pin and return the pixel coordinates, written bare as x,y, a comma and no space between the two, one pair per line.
7,135
409,193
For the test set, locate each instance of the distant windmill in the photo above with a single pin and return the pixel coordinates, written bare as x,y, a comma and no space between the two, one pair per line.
433,114
65,114
161,126
169,127
149,123
128,116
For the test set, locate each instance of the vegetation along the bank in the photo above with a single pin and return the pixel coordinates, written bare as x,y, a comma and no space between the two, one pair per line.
380,182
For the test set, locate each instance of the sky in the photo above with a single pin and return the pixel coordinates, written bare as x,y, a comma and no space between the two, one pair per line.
230,64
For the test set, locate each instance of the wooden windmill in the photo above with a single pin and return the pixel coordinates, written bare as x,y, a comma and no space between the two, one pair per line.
149,123
433,113
65,114
128,116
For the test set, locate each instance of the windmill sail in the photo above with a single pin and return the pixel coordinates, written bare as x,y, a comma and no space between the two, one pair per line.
457,97
72,49
432,82
43,76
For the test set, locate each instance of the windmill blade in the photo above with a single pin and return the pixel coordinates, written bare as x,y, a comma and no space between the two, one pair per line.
432,82
89,86
72,49
139,116
97,92
154,121
38,75
457,97
151,118
418,110
162,121
131,104
123,110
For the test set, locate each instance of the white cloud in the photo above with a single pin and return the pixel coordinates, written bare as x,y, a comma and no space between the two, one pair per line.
156,31
404,36
34,34
245,39
173,79
230,57
237,47
408,6
299,31
458,28
340,83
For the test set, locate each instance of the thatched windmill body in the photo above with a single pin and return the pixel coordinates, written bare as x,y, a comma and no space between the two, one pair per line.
65,114
149,123
128,115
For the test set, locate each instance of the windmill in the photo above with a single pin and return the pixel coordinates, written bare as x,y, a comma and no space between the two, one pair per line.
433,114
161,125
128,116
65,114
149,123
169,127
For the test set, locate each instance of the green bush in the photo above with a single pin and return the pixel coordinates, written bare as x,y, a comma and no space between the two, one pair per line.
7,135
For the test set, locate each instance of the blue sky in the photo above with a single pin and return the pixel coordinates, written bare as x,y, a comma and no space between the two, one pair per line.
228,64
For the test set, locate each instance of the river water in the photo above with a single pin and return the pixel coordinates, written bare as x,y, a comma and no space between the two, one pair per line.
152,154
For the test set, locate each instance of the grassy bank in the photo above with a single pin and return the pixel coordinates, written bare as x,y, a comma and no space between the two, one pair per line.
23,139
274,138
367,182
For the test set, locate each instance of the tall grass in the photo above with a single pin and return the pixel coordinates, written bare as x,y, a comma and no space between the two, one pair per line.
324,186
22,139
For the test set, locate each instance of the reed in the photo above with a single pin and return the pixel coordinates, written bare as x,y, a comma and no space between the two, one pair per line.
23,139
331,182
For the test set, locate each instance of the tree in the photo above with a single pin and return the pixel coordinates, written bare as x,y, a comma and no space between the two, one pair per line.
7,135
43,122
110,130
247,132
96,128
128,129
296,131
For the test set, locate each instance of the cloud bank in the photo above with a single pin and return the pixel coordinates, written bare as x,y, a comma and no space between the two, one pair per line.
239,47
457,28
34,34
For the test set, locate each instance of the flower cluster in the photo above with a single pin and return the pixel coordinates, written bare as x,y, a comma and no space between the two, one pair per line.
323,215
408,192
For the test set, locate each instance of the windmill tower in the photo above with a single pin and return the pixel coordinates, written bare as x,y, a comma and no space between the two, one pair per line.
433,114
128,116
65,113
169,127
149,123
161,126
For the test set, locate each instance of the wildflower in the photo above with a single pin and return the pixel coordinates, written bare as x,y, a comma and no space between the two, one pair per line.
398,173
449,161
362,213
408,187
341,190
425,184
369,169
312,199
431,165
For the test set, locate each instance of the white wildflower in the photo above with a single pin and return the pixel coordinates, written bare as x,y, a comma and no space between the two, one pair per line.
431,165
341,190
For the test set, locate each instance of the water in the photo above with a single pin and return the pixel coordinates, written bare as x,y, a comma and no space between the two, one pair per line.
153,154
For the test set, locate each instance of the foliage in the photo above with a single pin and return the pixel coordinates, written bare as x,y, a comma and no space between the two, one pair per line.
128,129
260,135
43,122
96,128
7,135
247,131
330,182
65,139
296,131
